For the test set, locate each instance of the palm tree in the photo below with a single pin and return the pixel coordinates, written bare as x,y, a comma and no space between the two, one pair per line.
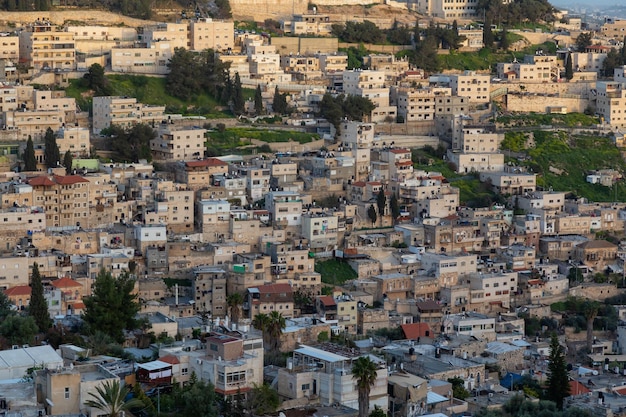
261,322
364,371
110,399
234,302
275,327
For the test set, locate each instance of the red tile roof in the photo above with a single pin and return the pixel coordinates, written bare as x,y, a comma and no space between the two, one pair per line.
402,150
209,162
65,282
576,388
274,288
171,359
358,184
18,290
375,183
327,300
415,330
56,179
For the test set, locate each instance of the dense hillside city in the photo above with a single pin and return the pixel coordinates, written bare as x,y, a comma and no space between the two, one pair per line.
339,209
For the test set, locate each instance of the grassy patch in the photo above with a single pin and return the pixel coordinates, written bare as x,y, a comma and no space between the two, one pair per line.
239,139
486,59
150,90
335,272
539,119
575,155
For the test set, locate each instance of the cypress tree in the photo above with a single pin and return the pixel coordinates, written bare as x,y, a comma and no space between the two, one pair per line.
569,71
238,101
30,162
558,379
258,101
68,160
38,308
51,153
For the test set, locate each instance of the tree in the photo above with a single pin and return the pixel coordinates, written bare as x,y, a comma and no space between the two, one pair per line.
365,373
68,160
199,400
238,100
38,307
52,155
372,215
583,41
378,412
458,388
558,380
261,322
97,81
18,330
6,306
488,37
112,306
275,326
381,202
395,207
569,71
30,162
130,144
279,103
590,311
110,398
234,302
263,400
258,101
184,79
504,39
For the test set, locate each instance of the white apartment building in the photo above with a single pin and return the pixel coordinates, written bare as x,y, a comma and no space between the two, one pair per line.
415,104
174,33
472,85
149,58
75,140
124,112
44,47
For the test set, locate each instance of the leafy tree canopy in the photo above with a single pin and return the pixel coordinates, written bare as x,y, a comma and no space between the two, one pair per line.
132,144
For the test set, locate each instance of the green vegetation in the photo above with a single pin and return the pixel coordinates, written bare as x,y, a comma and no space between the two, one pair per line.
335,272
485,58
223,141
574,156
149,90
541,119
365,31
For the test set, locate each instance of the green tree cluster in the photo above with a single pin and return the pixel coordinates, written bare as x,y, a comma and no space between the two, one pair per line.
110,399
399,34
583,41
271,325
428,41
192,73
223,10
279,102
614,58
335,109
356,32
515,12
112,306
518,406
25,5
97,81
132,144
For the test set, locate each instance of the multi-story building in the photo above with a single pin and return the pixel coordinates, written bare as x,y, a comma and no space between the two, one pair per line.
474,86
199,173
212,218
174,33
611,102
257,180
448,9
325,371
207,33
209,284
173,206
152,58
331,63
44,47
33,123
513,183
9,47
124,112
416,104
75,140
320,230
178,145
268,298
233,365
285,207
307,24
370,84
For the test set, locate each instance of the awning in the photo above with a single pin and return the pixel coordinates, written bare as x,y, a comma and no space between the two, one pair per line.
434,398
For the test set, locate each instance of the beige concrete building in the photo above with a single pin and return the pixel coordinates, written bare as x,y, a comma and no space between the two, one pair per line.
9,47
178,145
173,206
199,174
419,104
370,84
331,63
210,290
45,47
123,111
472,85
33,123
175,34
307,24
614,28
611,102
448,9
75,140
211,34
149,58
511,182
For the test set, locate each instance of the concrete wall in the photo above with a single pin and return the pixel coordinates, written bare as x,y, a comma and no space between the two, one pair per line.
598,292
259,10
388,49
540,103
581,88
304,46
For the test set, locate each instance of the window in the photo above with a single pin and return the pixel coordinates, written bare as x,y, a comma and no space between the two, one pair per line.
67,393
184,371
